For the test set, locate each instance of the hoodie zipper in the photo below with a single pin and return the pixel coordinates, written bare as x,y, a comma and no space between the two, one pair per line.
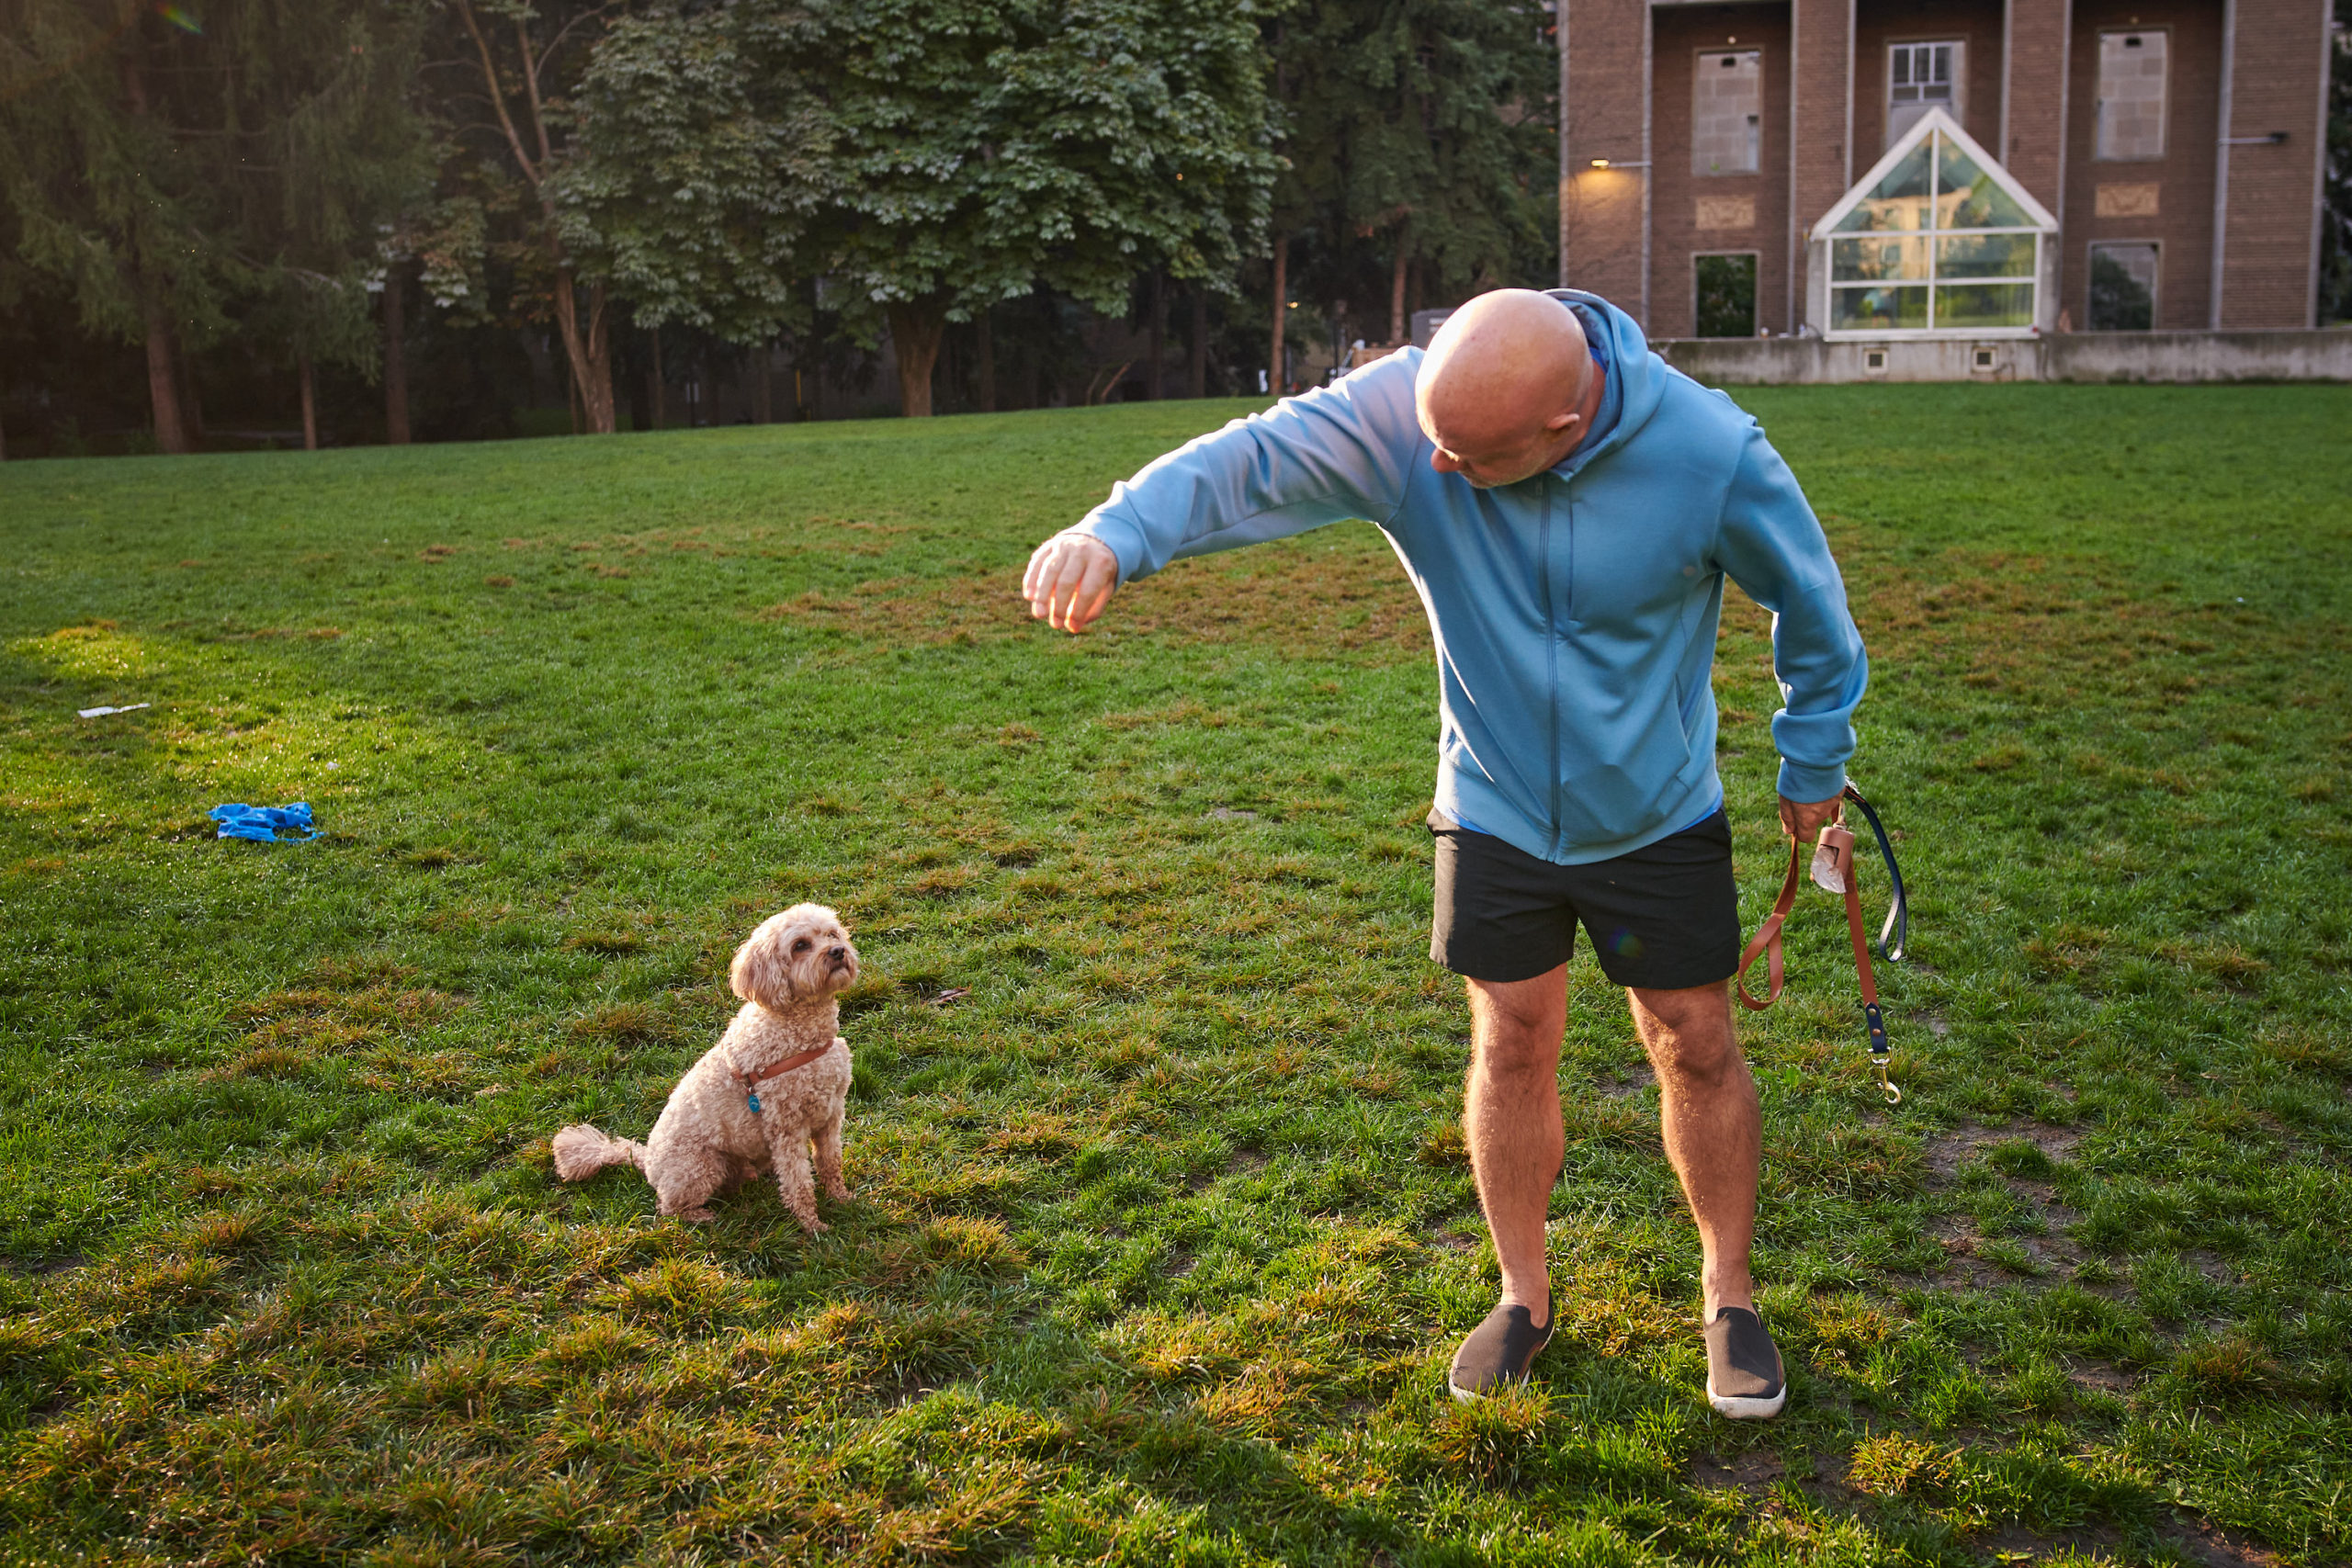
1552,659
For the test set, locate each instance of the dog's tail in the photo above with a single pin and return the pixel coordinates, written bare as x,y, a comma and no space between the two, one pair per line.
580,1152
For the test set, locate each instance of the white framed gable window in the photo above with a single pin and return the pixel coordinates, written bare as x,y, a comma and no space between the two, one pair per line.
2130,95
1919,78
1728,112
1938,238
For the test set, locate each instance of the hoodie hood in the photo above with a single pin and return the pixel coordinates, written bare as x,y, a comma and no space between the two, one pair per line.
1639,374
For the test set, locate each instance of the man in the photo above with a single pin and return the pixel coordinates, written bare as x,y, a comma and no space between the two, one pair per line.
1569,507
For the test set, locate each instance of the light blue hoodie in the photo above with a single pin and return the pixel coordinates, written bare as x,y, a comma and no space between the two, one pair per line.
1575,610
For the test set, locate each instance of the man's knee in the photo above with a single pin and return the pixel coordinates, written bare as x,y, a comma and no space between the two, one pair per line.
1689,1033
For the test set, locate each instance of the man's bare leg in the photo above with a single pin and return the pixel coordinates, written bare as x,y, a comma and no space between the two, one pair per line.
1510,1118
1713,1129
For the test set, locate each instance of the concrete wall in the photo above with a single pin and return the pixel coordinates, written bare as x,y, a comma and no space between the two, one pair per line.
2073,356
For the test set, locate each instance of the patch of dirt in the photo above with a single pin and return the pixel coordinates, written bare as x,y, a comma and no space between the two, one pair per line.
1448,1239
2207,1542
1753,1472
1633,1081
1946,1151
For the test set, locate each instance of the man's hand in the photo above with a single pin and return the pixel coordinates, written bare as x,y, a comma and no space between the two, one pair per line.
1070,578
1802,820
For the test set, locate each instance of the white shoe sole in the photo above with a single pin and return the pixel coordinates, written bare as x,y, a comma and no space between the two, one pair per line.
1748,1409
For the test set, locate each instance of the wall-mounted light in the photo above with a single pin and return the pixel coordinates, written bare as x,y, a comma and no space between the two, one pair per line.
1609,164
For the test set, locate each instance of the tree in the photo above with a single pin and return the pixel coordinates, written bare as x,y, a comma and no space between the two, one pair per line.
1420,126
927,158
171,174
523,60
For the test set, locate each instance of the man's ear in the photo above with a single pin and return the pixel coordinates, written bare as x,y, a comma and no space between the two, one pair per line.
1560,423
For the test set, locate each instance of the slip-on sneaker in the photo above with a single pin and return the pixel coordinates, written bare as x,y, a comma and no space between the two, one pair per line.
1745,1379
1499,1351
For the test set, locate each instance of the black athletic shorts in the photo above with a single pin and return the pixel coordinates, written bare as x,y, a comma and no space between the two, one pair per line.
1662,918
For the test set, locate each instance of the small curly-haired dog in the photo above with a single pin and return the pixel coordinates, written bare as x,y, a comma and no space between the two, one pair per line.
773,1083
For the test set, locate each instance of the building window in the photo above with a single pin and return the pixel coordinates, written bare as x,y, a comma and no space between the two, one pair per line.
1727,113
1937,244
1919,78
1724,292
2123,288
2130,95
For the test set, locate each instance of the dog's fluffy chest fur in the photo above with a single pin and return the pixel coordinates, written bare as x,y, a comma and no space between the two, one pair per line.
712,1099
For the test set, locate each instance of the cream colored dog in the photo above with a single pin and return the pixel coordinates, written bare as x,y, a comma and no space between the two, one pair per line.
773,1083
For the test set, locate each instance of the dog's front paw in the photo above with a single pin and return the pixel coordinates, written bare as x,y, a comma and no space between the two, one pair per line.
839,1192
697,1216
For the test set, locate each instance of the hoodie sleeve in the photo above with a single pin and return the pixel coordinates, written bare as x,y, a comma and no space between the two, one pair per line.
1337,452
1771,544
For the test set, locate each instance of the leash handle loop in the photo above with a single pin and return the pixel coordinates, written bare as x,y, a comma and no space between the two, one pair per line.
1898,911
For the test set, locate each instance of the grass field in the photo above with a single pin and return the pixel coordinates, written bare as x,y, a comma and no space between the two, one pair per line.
1163,1234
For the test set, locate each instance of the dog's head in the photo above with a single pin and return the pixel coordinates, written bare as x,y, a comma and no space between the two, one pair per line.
797,957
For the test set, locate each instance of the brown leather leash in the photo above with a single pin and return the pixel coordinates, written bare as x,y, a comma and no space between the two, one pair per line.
752,1083
1833,868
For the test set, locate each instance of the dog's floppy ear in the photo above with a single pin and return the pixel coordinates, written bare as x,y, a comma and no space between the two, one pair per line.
762,971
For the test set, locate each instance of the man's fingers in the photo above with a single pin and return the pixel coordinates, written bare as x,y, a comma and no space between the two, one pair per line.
1068,580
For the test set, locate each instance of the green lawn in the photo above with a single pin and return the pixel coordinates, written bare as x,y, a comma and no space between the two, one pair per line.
1163,1234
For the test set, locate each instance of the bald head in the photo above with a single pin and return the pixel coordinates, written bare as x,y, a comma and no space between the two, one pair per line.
1507,389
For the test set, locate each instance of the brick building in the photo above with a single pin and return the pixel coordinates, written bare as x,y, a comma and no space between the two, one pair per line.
1944,168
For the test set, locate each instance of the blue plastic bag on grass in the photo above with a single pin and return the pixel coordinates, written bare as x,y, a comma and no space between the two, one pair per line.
263,824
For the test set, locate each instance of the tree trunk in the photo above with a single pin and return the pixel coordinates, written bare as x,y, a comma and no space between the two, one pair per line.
1196,367
915,329
661,386
163,380
1281,314
762,372
984,356
1397,326
395,360
588,352
191,395
1159,333
309,406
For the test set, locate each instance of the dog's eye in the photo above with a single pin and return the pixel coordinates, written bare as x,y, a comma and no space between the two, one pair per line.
800,946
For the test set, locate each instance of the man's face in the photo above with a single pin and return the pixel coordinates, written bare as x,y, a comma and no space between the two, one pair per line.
1492,462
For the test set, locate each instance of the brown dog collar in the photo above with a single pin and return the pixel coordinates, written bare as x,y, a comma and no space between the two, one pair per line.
752,1081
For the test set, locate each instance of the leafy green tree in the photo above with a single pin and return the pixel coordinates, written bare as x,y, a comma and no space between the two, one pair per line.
173,174
519,62
1418,131
925,158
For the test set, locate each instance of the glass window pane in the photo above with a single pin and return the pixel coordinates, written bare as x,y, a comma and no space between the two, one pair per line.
2123,288
2131,114
1967,197
1725,290
1966,305
1728,112
1984,256
1873,261
1899,201
1879,310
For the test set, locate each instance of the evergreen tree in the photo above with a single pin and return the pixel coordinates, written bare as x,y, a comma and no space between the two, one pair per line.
174,173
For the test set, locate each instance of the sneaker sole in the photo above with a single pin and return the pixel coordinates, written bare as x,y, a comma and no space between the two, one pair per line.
1737,1409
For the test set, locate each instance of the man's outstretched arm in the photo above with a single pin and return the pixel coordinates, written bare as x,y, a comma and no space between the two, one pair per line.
1338,452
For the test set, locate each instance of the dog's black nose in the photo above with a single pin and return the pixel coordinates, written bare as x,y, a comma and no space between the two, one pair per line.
837,953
